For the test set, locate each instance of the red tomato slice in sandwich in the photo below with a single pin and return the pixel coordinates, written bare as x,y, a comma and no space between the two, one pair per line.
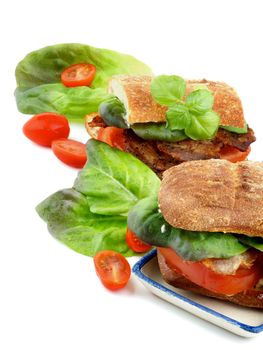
135,243
112,136
233,154
198,273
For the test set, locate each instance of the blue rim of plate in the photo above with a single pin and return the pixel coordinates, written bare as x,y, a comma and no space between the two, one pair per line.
137,270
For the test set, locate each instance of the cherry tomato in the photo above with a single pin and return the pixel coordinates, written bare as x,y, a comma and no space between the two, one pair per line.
135,243
198,273
46,127
112,136
112,268
70,152
233,154
81,74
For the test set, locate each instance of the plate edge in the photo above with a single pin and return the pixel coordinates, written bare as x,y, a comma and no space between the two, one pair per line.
146,258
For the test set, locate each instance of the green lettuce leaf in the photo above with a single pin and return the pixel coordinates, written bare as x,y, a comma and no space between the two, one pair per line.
74,103
145,220
110,184
113,112
113,181
157,131
45,66
71,222
38,79
255,242
148,223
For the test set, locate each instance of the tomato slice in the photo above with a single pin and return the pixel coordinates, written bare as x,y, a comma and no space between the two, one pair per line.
135,243
81,74
112,136
233,154
198,273
46,127
70,152
112,268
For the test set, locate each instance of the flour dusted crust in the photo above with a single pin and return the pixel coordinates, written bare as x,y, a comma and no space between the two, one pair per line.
142,108
214,196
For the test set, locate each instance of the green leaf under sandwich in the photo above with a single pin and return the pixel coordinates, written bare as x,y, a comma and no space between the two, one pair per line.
70,221
110,184
74,103
113,181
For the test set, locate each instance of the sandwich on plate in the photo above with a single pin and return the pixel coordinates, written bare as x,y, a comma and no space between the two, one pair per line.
166,120
205,217
207,225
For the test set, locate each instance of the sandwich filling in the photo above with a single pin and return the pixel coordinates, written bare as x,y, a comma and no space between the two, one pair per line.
166,120
207,225
161,155
222,263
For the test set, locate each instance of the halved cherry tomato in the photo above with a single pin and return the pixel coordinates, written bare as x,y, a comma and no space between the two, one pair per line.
70,152
135,243
112,268
81,74
46,127
233,154
112,136
197,272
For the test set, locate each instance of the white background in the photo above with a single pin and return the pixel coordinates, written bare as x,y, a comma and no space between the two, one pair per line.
50,297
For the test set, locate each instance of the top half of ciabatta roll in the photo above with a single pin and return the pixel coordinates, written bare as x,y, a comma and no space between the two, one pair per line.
135,93
214,196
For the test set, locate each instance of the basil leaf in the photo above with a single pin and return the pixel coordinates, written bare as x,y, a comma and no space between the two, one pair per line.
178,117
145,220
200,101
74,103
235,129
203,127
255,242
167,89
157,131
113,181
200,87
70,221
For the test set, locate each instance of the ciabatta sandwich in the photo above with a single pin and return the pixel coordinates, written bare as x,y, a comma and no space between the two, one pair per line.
208,228
142,125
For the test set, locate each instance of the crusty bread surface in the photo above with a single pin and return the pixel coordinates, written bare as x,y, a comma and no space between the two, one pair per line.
142,108
252,298
92,130
215,196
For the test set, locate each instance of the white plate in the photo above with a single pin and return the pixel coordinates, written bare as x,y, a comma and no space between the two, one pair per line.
236,319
